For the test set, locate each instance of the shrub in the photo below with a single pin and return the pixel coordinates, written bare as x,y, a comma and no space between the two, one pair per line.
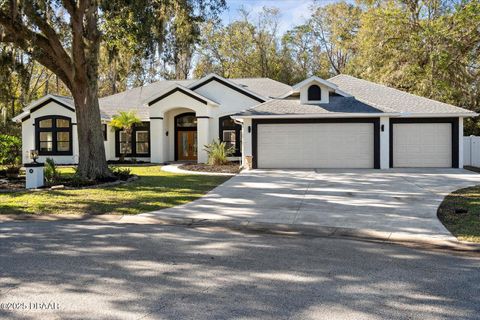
51,173
10,150
121,173
218,152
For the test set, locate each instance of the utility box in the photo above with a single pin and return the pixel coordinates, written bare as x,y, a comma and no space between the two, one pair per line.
35,177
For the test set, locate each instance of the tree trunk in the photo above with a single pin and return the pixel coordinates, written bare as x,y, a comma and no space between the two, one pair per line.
92,163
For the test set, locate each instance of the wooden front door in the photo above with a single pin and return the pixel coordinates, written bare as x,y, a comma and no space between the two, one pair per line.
187,145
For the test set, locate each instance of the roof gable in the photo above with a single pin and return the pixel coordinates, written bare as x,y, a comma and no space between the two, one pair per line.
179,88
230,84
64,102
313,79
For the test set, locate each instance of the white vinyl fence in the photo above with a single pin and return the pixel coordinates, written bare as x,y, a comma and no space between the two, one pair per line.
471,151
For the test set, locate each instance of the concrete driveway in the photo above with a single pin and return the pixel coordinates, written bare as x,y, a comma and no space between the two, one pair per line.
400,202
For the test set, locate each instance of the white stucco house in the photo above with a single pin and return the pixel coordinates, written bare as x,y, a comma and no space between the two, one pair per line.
342,122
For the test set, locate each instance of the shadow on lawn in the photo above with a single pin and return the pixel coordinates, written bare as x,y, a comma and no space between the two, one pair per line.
151,271
148,193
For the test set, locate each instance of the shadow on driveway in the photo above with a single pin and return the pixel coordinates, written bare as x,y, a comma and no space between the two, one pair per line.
103,271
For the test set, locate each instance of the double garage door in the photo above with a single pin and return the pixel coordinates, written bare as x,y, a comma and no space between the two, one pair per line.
315,145
351,145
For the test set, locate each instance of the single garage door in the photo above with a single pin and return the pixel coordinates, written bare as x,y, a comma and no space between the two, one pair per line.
315,145
422,145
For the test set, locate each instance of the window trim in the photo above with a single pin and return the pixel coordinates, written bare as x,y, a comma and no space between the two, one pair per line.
314,93
145,126
54,130
177,129
238,132
136,141
104,131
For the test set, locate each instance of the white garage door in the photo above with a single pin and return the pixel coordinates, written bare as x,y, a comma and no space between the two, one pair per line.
422,145
315,145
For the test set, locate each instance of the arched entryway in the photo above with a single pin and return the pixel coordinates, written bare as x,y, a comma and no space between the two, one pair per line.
186,137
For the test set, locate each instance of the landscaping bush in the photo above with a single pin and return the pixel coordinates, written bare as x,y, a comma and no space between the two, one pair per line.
10,150
121,173
218,152
51,173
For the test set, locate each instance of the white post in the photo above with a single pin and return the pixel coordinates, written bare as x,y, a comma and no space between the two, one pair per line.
460,143
246,140
203,138
34,175
156,140
384,143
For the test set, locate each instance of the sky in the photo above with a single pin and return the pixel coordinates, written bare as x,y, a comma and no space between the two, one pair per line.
292,12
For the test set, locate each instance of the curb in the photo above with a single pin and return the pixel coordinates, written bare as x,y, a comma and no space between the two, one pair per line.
419,242
316,232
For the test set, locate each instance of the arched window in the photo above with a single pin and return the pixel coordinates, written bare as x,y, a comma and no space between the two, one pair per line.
53,135
231,134
314,93
186,120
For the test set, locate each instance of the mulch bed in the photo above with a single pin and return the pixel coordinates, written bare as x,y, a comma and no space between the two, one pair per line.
227,168
18,184
12,184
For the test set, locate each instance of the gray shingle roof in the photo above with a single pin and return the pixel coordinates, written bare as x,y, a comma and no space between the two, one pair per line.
264,86
133,99
294,107
383,96
69,102
66,100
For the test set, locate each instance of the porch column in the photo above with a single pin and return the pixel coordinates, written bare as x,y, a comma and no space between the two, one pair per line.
460,143
157,134
384,143
203,138
246,139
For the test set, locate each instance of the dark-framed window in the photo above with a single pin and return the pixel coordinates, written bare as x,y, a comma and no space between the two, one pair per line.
137,145
231,133
104,131
314,93
186,120
53,135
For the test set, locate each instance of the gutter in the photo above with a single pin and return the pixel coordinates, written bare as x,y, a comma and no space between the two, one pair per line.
358,115
317,115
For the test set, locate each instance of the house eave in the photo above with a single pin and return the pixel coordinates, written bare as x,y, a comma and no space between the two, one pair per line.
212,76
316,115
439,115
184,90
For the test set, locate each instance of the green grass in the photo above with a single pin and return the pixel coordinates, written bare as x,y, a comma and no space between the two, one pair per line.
155,189
464,226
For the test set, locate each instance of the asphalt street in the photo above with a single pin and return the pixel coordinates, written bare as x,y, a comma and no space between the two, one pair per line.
100,270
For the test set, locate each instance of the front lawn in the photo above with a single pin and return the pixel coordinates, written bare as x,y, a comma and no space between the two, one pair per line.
155,189
460,213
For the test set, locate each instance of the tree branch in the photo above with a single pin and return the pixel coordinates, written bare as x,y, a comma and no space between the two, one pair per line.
62,57
35,44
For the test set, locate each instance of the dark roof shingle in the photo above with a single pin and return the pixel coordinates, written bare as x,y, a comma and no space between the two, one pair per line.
337,104
400,101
